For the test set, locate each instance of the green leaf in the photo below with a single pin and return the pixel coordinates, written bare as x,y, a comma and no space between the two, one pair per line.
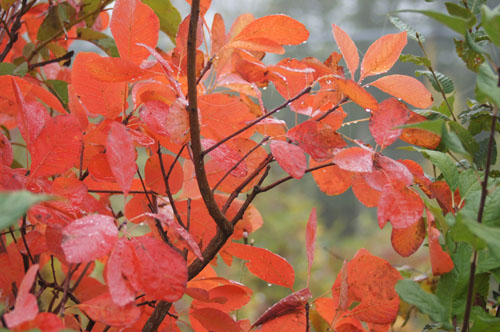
475,5
487,89
99,39
465,137
434,126
402,26
469,56
484,322
445,165
442,80
52,25
481,154
60,88
474,110
460,232
418,60
488,234
88,7
457,10
456,23
451,142
486,262
491,23
169,16
427,303
7,68
13,204
469,181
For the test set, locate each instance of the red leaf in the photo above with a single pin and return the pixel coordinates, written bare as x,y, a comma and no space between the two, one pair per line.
420,137
226,158
294,321
57,147
26,307
77,108
270,32
316,139
441,191
331,180
441,261
154,175
290,157
134,22
217,34
161,271
406,241
405,87
264,264
89,238
181,231
354,159
103,309
292,302
98,97
116,70
121,154
120,273
166,120
214,320
364,192
358,94
6,156
391,114
400,205
382,54
347,48
311,239
45,322
349,324
393,169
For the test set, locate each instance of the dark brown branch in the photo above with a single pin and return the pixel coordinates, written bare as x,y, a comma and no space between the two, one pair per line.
333,109
166,177
66,56
207,67
99,191
484,193
14,31
262,117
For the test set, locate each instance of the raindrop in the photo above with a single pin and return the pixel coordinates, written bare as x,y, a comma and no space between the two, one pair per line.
368,110
328,82
269,285
264,88
367,86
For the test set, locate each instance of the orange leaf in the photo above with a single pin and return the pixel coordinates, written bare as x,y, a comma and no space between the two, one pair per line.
204,5
134,22
264,264
358,95
391,114
407,240
116,70
441,261
217,34
57,147
331,180
405,87
154,175
294,321
365,193
290,157
225,158
121,154
347,48
103,309
311,240
77,108
214,320
280,29
98,97
420,137
441,191
382,54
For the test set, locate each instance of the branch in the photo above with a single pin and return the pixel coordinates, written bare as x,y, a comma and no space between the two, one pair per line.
262,117
484,193
13,33
66,56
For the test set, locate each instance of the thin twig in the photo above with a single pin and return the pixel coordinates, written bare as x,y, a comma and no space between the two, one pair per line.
66,56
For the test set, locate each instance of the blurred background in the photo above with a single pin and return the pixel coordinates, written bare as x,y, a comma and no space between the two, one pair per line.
344,224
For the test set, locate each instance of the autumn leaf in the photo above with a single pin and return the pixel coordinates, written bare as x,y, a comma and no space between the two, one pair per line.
265,264
214,320
441,261
226,158
358,94
134,22
400,205
311,240
120,153
26,306
57,147
354,159
382,54
405,87
332,180
116,70
347,48
384,122
286,305
154,175
406,241
365,193
120,273
290,157
89,238
418,136
103,309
